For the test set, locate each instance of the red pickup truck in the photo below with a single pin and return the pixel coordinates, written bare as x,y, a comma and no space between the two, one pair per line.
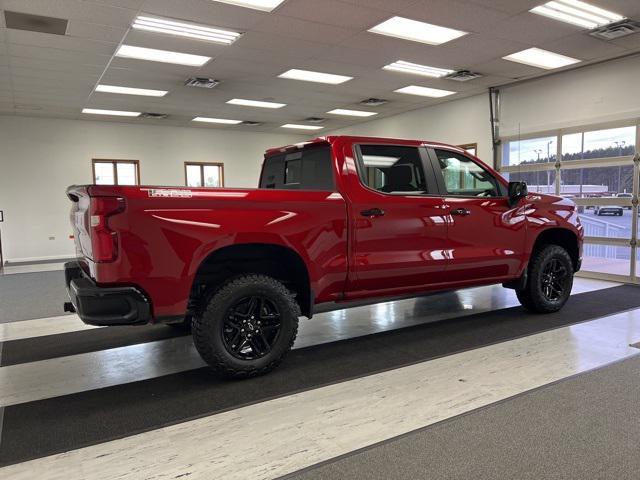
334,220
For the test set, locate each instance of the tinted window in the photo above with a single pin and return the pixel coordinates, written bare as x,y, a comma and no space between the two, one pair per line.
309,169
464,177
392,169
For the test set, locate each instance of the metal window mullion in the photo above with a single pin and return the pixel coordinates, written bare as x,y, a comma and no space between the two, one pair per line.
635,208
623,161
558,164
609,241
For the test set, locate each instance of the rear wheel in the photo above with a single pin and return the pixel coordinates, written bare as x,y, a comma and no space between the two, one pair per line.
247,327
549,282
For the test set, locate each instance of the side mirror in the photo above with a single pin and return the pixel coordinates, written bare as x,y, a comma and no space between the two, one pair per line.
517,190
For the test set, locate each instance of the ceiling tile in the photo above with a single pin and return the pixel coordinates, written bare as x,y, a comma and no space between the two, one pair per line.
206,12
584,47
456,14
59,42
303,29
530,28
75,10
334,12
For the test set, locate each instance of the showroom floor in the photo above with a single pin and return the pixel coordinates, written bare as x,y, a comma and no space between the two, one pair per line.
378,391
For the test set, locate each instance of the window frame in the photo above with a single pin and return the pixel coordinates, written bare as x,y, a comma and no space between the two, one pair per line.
202,165
114,163
468,146
425,160
442,185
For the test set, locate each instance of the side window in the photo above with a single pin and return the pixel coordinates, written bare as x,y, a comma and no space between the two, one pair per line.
309,169
464,177
392,169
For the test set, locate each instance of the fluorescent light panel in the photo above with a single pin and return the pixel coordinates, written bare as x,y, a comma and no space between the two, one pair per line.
425,91
182,29
255,103
352,113
318,77
301,127
223,121
578,13
416,31
536,57
417,69
131,91
264,5
164,56
116,113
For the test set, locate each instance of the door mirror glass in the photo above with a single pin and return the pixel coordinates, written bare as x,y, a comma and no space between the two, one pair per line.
517,190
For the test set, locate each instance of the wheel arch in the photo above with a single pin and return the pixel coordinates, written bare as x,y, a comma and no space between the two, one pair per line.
562,237
280,262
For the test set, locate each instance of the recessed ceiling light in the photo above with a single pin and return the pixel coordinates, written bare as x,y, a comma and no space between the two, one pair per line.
318,77
301,127
577,13
417,69
416,31
117,113
264,5
255,103
424,91
352,113
131,91
536,57
164,56
182,29
223,121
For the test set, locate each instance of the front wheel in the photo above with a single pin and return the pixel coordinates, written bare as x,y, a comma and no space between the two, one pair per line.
550,280
247,327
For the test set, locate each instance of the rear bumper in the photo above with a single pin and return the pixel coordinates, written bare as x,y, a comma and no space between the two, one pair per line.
104,306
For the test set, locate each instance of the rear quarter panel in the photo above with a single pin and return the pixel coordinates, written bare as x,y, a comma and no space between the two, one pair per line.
164,239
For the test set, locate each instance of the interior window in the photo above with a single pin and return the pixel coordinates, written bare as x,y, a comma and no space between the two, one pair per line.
464,177
392,169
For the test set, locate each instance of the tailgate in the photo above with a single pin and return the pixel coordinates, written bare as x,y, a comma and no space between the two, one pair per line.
80,213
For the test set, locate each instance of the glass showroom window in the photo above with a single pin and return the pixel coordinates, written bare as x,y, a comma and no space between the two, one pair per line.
204,174
530,151
596,170
116,172
598,144
607,259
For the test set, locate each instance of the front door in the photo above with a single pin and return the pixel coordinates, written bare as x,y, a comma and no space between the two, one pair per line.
486,237
399,225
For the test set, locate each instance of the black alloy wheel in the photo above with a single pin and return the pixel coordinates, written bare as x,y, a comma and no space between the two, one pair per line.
555,280
251,327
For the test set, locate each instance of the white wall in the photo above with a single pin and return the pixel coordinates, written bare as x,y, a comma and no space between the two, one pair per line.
40,157
594,94
457,122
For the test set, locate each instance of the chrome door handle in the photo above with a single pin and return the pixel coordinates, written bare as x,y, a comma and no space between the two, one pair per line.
461,211
372,212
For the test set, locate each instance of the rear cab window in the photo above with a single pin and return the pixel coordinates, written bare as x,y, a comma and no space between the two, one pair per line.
308,169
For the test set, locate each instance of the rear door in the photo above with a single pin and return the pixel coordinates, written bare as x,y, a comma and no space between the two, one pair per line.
486,237
399,228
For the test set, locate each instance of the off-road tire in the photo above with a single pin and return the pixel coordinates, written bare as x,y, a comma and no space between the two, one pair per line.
208,324
532,296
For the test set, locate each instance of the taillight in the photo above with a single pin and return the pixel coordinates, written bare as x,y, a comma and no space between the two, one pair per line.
104,241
